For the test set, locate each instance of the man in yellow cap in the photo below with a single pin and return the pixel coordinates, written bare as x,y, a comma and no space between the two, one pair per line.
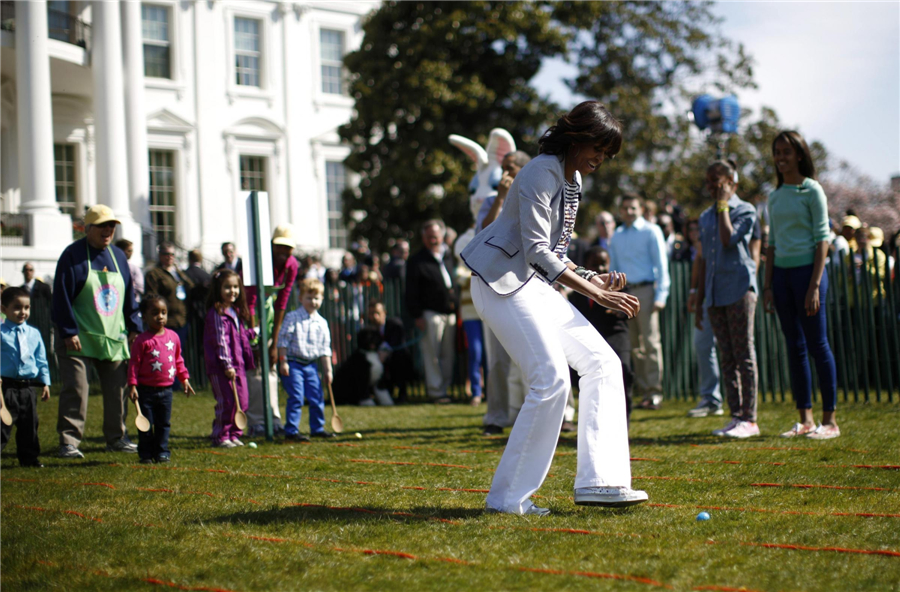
96,318
849,225
285,270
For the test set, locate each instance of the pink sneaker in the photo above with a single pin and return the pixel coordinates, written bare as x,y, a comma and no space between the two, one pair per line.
731,424
824,432
743,429
799,429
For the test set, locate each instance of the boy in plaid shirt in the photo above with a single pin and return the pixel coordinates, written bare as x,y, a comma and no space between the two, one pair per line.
304,339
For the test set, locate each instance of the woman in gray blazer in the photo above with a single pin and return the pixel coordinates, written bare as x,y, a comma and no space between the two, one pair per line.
514,262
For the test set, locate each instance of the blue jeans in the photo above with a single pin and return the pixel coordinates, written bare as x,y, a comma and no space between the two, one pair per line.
302,383
801,332
707,362
475,337
156,405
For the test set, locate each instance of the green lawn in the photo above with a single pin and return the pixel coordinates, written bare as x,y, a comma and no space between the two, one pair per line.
317,517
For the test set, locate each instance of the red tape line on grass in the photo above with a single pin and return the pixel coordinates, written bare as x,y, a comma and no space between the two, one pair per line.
885,552
411,557
154,581
806,486
790,512
419,488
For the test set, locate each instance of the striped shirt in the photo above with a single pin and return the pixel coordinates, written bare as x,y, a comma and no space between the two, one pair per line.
571,195
305,336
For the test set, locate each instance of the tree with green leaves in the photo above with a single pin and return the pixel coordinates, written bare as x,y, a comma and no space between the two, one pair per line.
426,70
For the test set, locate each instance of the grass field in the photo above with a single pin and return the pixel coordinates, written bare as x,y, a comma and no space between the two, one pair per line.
401,508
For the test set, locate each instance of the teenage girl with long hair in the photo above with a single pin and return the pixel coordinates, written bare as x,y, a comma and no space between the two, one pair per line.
796,281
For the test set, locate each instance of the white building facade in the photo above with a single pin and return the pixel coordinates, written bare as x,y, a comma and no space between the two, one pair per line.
166,111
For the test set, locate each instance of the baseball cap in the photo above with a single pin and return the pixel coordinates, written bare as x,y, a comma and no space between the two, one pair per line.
851,221
284,235
876,236
100,214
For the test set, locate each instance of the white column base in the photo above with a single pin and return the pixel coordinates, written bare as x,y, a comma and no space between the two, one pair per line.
49,229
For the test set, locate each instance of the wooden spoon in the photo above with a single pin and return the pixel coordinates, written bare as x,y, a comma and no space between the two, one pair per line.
240,418
141,422
5,417
337,425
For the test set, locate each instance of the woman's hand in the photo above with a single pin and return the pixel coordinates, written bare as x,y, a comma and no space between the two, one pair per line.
626,303
812,301
229,374
613,281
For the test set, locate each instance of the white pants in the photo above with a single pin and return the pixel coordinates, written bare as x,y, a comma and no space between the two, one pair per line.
544,335
438,346
499,366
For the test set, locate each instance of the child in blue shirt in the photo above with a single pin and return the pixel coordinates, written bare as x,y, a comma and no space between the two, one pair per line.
23,367
303,340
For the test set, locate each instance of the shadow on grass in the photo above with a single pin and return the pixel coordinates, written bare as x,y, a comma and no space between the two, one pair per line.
350,515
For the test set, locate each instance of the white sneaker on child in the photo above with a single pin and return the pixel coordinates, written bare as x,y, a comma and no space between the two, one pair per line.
236,442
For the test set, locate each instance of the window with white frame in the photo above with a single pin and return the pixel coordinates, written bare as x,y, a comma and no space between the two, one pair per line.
162,194
335,182
64,167
253,173
331,47
157,47
247,51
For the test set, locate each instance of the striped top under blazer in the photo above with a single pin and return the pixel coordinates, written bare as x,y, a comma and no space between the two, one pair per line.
521,241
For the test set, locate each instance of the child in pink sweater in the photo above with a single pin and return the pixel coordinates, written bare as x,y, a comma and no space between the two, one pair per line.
155,362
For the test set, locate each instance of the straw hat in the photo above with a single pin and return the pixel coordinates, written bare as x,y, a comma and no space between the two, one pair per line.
876,236
284,235
851,221
100,214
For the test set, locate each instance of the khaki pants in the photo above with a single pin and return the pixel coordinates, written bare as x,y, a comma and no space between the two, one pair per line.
73,398
438,345
646,348
256,411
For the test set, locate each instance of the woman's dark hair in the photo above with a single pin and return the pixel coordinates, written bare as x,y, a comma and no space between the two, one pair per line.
588,122
806,166
148,299
215,292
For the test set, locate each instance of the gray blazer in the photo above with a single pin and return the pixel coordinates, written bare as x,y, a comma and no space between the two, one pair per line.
520,242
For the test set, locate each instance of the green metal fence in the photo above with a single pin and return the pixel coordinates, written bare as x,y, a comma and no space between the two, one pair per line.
863,329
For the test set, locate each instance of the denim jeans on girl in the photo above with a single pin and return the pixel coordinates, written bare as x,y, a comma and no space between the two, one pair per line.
804,333
156,405
475,339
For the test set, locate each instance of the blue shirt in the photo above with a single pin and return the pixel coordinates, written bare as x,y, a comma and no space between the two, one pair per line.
305,336
71,274
730,270
23,355
483,212
639,251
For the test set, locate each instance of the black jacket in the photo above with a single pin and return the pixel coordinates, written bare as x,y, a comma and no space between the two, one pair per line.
425,288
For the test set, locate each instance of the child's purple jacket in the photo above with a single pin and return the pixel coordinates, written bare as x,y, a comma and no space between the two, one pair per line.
226,343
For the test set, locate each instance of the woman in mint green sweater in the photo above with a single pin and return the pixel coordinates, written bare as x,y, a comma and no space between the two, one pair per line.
796,282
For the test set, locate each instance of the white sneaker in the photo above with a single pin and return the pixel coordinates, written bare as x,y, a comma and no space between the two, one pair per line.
610,497
531,511
69,451
225,444
706,408
744,429
731,424
236,442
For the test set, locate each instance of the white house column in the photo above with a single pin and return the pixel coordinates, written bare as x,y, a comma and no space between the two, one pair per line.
35,128
136,121
109,116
